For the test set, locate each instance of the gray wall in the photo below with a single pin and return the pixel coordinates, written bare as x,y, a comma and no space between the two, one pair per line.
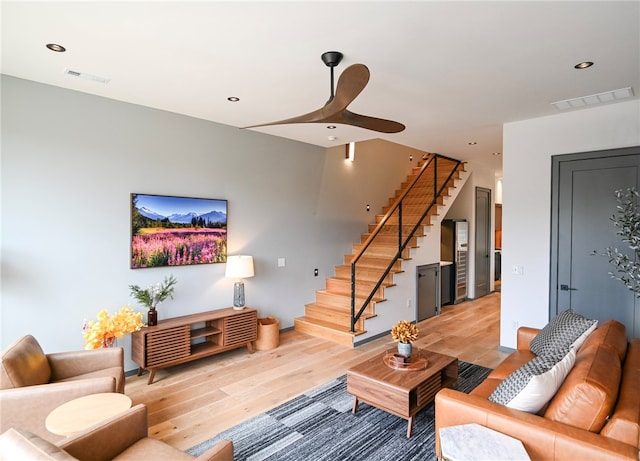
70,161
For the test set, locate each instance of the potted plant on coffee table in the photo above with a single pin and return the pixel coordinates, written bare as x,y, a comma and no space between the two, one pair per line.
404,333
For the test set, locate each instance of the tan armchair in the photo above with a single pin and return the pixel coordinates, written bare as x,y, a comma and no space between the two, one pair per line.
124,436
33,383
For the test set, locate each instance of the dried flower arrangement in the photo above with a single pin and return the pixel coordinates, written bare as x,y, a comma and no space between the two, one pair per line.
404,332
104,331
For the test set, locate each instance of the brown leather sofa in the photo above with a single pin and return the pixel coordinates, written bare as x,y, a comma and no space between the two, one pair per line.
33,383
595,414
123,437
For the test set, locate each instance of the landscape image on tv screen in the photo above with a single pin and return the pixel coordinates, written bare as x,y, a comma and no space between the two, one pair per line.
177,231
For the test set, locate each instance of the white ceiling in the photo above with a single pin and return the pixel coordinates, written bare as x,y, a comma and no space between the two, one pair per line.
452,72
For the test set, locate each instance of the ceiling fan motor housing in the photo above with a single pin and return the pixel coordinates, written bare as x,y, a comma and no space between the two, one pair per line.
332,58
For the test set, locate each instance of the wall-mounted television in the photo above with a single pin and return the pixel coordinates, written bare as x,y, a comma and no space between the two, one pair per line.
177,231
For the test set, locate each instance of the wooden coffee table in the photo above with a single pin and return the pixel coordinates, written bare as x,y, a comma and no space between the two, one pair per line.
78,414
401,392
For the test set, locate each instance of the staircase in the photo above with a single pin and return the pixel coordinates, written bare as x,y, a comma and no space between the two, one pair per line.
353,294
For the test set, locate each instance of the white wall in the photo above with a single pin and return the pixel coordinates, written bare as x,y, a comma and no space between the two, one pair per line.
528,146
70,161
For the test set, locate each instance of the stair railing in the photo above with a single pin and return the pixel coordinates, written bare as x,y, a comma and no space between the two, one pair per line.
413,191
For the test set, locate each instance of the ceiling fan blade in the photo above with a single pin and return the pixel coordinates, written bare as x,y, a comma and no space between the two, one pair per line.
350,84
370,123
312,117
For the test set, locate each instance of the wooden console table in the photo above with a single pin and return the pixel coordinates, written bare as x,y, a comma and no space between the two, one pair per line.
190,337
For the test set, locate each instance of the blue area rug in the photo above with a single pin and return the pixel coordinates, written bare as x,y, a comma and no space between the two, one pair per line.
319,425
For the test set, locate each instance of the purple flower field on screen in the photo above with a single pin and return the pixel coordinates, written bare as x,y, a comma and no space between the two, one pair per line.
174,247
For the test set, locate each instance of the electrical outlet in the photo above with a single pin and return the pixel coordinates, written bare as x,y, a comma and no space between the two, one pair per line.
517,270
281,262
408,304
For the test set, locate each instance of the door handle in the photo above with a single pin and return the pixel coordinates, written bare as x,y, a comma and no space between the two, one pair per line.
567,288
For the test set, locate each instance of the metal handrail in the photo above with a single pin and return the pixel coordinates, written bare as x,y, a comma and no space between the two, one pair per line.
402,243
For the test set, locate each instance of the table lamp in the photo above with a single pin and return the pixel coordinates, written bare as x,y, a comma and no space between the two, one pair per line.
239,267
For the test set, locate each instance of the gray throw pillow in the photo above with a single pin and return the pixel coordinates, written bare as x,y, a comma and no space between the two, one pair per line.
561,333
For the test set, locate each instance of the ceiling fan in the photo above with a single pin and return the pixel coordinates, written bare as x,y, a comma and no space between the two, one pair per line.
351,82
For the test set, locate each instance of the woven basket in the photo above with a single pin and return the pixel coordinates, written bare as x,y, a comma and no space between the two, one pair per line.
268,334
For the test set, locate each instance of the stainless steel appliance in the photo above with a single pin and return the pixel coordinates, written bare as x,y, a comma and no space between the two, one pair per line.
454,245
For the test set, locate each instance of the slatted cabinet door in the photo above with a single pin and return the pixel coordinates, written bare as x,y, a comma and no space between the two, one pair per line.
166,346
240,329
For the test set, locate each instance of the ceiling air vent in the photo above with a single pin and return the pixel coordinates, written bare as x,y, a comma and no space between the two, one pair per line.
607,96
82,75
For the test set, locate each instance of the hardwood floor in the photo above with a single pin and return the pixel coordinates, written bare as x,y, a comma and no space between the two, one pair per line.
191,403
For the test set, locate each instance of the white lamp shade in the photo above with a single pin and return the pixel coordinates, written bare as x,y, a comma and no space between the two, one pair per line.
239,267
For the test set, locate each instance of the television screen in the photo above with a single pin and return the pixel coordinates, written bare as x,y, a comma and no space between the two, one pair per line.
177,231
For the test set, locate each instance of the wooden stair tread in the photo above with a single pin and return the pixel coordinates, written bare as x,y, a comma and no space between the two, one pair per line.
331,326
333,315
389,239
370,261
363,282
360,267
375,299
338,310
363,287
392,229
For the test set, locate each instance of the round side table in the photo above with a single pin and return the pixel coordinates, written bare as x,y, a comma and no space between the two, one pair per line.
78,414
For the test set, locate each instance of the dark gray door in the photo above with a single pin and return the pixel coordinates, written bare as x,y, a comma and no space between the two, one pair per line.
483,242
428,290
583,202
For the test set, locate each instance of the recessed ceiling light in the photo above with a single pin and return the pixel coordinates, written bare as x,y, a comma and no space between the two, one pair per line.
331,127
55,47
233,99
583,65
496,153
472,143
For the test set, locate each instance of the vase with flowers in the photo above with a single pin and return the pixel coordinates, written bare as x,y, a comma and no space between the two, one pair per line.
404,333
104,331
153,295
